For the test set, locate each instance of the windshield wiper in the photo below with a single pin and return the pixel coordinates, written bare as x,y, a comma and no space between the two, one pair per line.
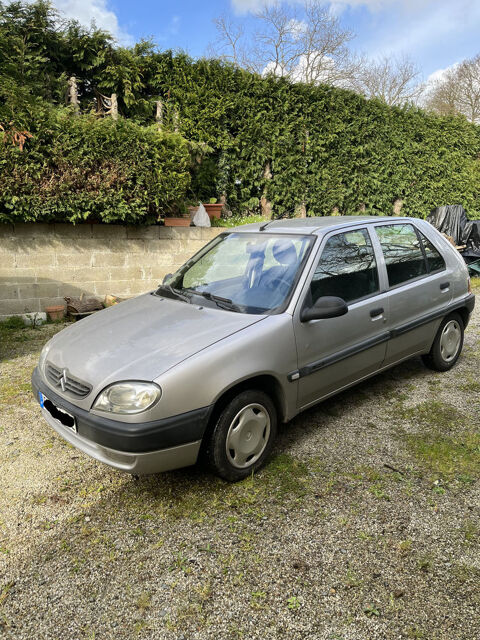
223,303
175,292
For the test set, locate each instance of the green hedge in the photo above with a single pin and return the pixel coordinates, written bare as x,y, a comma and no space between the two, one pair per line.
79,168
327,148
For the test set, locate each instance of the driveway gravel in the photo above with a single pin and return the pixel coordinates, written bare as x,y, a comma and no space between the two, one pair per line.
365,524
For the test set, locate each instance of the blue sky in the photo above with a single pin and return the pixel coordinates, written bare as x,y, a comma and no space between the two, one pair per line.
435,33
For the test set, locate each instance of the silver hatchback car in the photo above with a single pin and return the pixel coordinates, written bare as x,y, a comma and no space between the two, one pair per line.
265,321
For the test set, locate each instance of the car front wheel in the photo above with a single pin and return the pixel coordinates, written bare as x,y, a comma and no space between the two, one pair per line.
243,436
447,345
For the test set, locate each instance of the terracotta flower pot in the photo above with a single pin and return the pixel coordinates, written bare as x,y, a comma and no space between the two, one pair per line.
177,222
214,210
56,312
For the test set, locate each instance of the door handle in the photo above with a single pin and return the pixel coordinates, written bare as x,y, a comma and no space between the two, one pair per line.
376,312
444,286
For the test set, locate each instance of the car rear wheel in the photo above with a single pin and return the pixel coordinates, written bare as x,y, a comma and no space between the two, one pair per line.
447,345
243,436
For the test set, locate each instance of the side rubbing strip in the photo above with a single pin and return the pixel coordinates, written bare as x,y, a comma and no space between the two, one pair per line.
430,317
345,353
313,367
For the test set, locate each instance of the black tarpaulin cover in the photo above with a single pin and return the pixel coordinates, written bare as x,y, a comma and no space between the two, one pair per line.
452,220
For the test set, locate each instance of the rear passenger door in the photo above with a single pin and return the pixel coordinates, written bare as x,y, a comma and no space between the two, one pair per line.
418,288
333,353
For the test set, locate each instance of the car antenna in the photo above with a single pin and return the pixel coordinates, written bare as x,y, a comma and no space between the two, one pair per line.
264,226
280,217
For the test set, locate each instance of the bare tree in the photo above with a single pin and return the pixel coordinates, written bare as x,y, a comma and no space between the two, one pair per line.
324,53
441,95
276,37
393,80
306,43
308,47
458,91
229,45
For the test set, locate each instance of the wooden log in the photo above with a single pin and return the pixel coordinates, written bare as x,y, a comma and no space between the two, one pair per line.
82,304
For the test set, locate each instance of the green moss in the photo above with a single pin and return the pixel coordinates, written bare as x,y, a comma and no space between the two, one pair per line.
471,385
13,322
475,283
16,342
433,414
449,456
286,476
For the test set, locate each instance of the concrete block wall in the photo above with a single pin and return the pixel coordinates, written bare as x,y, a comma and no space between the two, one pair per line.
42,263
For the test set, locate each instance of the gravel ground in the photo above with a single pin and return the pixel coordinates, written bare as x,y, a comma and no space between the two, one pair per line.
365,524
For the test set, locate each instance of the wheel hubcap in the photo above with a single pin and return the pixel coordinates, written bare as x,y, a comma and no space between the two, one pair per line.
450,340
248,436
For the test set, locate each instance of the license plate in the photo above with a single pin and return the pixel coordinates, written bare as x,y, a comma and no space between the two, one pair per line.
60,415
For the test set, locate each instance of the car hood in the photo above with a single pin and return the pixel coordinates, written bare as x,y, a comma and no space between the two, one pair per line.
140,339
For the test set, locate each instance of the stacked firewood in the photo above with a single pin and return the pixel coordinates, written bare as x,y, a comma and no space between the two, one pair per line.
84,305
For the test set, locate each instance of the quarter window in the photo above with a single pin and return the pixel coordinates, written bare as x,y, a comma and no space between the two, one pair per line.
346,268
435,262
403,254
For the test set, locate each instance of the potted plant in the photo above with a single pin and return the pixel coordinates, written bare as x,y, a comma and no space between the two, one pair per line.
55,312
178,221
179,218
213,208
192,206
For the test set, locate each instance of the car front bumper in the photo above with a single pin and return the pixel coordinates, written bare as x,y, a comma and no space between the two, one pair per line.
140,448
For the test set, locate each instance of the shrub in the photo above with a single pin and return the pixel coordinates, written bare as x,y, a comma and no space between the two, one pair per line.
84,168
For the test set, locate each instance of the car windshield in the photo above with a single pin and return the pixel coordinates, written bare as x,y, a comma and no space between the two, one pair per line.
246,272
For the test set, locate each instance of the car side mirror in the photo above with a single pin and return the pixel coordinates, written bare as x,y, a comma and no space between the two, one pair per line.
325,307
166,278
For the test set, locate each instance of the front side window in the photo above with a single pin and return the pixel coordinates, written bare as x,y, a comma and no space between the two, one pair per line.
403,254
251,272
346,268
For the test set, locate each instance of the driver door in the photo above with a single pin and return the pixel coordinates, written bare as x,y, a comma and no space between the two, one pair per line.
334,353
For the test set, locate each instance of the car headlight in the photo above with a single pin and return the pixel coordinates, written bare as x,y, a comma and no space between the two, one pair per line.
128,397
43,357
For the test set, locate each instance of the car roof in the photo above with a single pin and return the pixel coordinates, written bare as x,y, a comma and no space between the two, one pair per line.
311,225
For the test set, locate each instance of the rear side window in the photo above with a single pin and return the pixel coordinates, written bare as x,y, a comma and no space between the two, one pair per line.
346,268
435,262
403,253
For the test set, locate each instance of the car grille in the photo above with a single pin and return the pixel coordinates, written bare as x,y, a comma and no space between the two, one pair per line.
63,380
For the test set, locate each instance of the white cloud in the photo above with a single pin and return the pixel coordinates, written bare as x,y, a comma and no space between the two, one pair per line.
174,25
404,6
298,74
429,23
244,6
170,29
297,27
439,75
97,10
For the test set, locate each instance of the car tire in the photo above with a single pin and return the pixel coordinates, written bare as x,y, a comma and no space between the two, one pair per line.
447,346
243,436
